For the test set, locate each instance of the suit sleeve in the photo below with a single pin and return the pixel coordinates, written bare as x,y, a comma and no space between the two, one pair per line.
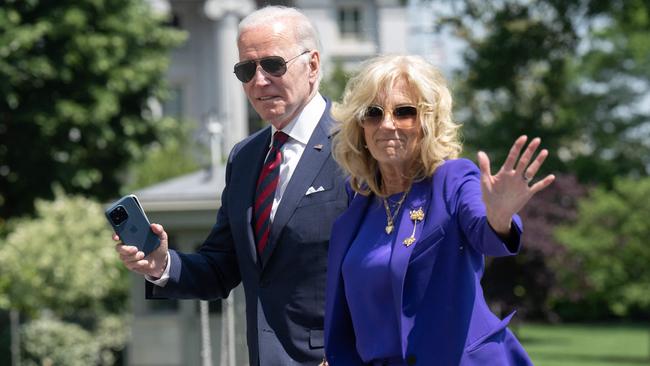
213,270
464,178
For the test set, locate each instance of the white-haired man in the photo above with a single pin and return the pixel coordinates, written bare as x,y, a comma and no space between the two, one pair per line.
283,191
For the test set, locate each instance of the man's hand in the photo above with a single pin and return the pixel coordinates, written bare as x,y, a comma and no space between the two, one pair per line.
152,265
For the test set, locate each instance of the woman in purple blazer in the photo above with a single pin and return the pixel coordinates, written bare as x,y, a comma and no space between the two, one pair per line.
406,259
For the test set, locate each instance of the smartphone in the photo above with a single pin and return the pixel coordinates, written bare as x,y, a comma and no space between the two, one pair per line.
129,221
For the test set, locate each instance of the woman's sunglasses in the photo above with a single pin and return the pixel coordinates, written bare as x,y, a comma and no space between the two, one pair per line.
272,65
403,116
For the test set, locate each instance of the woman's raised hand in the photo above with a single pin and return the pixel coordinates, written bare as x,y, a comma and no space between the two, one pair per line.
508,191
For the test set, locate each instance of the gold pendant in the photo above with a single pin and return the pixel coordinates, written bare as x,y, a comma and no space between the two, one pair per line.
408,241
415,216
389,229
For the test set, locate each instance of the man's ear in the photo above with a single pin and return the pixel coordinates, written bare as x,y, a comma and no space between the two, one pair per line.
314,65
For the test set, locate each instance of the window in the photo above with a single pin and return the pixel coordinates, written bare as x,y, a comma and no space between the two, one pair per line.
349,22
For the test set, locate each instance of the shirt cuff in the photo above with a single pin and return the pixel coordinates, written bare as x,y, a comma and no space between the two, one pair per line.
162,281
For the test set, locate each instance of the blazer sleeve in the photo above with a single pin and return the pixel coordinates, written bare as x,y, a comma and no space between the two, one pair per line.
470,210
213,270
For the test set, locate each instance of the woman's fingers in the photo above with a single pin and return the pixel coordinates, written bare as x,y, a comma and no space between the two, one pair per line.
525,158
532,169
484,163
509,164
538,186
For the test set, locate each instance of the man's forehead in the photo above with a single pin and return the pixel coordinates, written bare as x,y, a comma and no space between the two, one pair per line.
270,40
265,33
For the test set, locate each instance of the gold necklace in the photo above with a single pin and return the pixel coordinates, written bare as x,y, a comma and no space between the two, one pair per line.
390,218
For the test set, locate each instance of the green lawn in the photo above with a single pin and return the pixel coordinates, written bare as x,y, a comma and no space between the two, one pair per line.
586,345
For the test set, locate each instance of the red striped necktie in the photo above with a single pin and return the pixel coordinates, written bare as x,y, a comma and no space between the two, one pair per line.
265,191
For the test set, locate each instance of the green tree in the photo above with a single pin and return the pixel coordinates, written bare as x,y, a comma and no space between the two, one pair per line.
572,72
49,341
610,90
52,342
59,269
52,262
333,86
515,78
75,80
610,237
174,155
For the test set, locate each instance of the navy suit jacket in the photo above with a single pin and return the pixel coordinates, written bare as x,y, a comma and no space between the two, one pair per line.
442,315
285,290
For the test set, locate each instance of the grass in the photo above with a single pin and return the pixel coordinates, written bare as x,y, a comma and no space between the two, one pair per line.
586,345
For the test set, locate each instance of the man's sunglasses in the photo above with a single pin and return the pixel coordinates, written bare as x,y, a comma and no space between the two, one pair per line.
272,65
403,116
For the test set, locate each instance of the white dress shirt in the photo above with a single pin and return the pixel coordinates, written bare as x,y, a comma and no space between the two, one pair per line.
299,131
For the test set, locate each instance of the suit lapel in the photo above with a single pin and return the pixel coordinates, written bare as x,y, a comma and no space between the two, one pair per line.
308,167
401,254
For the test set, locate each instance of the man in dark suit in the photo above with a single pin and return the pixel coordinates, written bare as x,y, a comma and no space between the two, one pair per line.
283,191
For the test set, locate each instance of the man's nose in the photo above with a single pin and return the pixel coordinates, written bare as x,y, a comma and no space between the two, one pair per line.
260,78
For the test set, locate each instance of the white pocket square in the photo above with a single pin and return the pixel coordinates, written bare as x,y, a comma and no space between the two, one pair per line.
314,190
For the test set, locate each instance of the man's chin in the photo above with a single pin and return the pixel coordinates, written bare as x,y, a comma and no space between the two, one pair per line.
273,118
268,114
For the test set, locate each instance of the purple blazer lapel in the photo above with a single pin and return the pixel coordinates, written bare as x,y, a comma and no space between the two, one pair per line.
419,199
347,226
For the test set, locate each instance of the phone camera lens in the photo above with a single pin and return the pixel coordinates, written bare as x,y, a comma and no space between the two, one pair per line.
118,215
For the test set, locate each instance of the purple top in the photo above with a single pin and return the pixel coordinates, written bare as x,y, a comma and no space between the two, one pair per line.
366,274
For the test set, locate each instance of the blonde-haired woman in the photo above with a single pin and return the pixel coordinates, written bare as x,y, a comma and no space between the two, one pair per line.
406,259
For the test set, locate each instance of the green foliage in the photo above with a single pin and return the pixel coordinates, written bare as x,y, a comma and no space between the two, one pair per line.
75,80
334,85
516,79
610,237
612,79
62,260
572,72
48,341
111,334
59,269
52,342
172,157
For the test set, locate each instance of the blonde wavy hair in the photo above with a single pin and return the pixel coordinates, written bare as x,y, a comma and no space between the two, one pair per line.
440,138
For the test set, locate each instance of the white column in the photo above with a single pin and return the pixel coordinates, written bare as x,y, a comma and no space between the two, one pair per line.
232,115
231,101
206,350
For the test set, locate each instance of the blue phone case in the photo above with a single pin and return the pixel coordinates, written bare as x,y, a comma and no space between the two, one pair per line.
129,221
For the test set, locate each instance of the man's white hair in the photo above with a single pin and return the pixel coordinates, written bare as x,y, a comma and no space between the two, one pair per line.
306,35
